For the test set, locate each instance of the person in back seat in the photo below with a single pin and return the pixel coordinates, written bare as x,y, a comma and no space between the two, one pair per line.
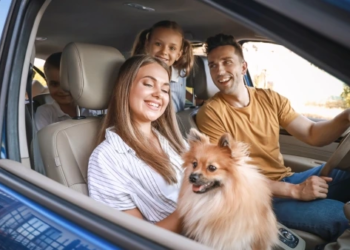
63,107
137,167
165,40
303,201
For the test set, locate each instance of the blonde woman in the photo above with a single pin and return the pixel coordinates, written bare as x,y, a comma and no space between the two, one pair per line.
137,168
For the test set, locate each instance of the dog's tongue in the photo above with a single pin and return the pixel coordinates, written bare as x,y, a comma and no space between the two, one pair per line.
197,188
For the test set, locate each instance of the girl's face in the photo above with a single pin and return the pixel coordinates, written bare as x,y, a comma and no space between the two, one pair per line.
165,44
149,93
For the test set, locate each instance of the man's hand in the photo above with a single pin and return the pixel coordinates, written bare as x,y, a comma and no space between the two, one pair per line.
312,188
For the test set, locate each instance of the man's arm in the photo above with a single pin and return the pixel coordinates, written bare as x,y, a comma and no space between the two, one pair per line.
312,188
319,133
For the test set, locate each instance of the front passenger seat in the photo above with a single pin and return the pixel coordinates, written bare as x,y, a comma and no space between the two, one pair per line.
89,72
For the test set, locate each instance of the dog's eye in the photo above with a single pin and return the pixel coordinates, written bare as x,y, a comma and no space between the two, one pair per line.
195,164
211,168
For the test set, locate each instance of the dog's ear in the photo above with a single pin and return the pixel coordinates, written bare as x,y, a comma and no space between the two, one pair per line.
196,136
225,140
238,149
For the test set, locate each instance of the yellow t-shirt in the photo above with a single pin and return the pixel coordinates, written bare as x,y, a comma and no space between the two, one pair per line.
257,124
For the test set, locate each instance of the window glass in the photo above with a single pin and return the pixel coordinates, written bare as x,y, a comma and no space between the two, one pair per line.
311,91
198,49
39,63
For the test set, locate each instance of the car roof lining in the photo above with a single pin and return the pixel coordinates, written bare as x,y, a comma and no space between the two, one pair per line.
111,23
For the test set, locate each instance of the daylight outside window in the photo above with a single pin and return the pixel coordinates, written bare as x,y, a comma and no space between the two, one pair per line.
312,91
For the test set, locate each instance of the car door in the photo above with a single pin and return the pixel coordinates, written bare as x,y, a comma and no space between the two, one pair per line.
36,212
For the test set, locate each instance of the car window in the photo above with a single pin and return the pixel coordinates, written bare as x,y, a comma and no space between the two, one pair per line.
39,63
311,91
4,9
198,49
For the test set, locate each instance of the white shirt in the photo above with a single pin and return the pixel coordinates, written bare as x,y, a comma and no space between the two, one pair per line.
51,113
118,178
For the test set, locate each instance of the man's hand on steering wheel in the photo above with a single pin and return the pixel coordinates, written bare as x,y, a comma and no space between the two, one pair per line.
312,188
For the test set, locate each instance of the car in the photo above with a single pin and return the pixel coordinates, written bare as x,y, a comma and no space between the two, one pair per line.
43,195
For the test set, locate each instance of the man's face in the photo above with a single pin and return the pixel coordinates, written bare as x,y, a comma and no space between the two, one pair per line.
56,92
226,68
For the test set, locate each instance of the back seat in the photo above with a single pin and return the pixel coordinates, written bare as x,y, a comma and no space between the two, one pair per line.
41,99
203,87
89,72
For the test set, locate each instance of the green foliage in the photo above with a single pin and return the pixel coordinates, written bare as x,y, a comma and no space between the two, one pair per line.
346,96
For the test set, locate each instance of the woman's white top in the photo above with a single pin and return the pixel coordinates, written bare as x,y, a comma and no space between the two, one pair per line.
118,178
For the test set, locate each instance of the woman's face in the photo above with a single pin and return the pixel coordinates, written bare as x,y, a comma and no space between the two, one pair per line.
165,44
149,93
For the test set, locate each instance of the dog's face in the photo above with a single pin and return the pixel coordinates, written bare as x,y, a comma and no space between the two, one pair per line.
208,166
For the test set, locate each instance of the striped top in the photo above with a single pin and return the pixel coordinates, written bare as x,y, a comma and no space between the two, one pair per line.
178,90
118,178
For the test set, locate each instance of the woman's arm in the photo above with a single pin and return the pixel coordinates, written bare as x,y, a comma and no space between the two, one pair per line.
171,223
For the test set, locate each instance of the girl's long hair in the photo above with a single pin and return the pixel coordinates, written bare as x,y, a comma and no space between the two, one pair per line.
119,117
185,63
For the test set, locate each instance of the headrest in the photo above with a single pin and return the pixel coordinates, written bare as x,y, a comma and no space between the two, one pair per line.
200,79
89,72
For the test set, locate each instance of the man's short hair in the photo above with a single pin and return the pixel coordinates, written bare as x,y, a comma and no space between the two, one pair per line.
222,40
53,61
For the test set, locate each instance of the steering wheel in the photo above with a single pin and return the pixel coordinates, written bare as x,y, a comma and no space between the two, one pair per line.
340,159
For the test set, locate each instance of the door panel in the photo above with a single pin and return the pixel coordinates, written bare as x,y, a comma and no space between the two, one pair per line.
115,227
301,156
299,164
292,146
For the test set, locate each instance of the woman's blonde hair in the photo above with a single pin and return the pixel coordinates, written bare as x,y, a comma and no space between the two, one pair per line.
119,117
185,63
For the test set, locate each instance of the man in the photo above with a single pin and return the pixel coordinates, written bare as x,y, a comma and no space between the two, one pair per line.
254,116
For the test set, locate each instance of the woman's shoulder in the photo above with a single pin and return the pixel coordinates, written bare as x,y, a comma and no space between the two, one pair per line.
112,152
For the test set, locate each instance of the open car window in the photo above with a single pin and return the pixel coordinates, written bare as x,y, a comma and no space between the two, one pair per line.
311,91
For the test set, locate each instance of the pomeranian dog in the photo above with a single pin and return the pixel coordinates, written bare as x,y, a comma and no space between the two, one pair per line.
224,202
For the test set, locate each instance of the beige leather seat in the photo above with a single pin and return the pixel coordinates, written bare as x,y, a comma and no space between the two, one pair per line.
205,88
89,72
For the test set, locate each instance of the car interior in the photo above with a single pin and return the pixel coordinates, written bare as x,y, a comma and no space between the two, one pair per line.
95,38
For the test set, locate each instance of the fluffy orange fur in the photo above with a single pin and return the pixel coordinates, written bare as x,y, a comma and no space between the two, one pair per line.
236,212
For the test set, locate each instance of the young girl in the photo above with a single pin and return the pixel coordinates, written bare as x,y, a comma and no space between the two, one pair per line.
137,166
165,40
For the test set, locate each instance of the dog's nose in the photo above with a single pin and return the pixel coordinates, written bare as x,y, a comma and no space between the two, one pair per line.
194,177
